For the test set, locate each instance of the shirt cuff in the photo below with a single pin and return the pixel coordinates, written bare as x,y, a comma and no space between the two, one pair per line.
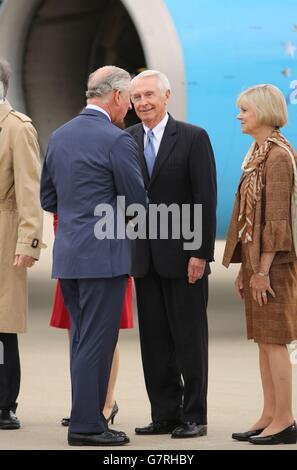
29,248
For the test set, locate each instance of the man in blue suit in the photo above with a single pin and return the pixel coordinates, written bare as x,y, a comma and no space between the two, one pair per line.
89,163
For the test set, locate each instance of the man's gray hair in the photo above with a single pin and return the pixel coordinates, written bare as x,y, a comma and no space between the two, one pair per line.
113,79
5,72
164,83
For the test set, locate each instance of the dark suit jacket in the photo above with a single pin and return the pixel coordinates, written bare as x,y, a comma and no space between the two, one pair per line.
184,173
90,161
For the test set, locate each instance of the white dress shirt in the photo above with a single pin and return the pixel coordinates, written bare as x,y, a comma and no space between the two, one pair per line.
158,133
97,108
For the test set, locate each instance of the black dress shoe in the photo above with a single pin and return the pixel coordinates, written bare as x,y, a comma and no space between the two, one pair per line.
65,422
157,427
106,438
189,429
114,431
8,420
287,436
244,436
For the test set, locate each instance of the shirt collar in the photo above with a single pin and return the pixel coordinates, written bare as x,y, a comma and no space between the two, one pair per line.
98,108
159,128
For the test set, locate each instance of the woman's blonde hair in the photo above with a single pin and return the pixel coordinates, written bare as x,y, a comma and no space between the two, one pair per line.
268,104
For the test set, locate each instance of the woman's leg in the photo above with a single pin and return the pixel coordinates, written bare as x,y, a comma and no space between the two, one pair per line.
281,373
268,391
110,399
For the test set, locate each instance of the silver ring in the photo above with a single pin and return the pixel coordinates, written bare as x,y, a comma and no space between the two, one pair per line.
264,293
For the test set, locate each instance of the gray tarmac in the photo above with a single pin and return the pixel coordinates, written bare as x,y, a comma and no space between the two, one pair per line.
234,398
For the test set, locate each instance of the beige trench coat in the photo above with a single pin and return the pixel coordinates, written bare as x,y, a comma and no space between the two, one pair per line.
20,213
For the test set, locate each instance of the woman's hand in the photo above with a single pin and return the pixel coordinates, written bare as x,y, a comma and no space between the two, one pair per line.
239,285
260,285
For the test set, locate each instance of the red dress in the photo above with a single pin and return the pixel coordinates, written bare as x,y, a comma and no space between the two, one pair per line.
60,316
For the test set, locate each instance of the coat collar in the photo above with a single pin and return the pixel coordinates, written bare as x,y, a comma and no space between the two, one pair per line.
5,109
139,136
167,143
94,112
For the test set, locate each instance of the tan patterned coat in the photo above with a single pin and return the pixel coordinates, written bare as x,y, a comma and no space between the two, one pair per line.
20,213
272,229
275,322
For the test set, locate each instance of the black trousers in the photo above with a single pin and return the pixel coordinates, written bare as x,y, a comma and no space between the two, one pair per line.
95,307
174,344
10,372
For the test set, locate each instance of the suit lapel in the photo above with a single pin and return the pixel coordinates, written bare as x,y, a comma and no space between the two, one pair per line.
167,143
139,136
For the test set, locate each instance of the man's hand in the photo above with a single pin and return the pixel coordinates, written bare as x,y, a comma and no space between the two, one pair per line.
196,269
23,261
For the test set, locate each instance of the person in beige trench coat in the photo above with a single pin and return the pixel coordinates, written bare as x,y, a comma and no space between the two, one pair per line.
20,239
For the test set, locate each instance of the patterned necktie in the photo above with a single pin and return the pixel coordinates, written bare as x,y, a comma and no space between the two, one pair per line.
149,152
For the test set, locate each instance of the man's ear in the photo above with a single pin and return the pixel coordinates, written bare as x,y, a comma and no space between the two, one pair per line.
167,94
117,97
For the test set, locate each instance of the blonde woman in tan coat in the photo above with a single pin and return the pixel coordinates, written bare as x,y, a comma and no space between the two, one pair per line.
260,237
20,239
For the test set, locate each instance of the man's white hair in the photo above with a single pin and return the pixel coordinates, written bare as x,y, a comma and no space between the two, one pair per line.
1,93
101,85
164,83
5,72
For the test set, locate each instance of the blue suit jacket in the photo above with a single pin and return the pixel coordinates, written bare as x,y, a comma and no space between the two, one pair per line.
89,161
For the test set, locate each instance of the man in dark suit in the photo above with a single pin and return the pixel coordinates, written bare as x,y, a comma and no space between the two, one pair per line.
89,163
178,167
